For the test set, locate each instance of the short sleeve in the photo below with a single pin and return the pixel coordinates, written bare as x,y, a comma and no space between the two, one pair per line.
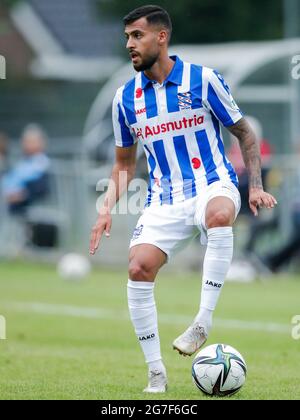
221,102
123,136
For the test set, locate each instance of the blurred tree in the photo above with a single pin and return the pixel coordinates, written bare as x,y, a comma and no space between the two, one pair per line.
8,3
209,21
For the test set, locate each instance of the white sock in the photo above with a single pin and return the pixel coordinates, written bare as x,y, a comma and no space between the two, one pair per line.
217,262
157,366
143,315
205,317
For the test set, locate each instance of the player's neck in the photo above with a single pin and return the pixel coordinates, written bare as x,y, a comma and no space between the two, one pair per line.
161,69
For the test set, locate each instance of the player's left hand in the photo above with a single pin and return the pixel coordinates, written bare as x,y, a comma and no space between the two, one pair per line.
258,198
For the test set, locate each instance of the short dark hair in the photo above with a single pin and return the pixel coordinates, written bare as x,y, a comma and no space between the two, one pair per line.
155,15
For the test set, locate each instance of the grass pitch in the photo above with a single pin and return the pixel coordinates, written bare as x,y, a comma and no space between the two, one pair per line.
74,340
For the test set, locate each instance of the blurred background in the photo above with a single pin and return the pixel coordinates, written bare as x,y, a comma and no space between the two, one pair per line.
64,61
61,62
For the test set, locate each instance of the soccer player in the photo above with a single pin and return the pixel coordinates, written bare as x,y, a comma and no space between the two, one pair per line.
174,109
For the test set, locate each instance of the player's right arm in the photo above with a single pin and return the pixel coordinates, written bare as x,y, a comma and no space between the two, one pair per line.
122,173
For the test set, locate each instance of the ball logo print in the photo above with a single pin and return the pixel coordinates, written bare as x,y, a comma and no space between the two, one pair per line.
296,328
2,67
2,327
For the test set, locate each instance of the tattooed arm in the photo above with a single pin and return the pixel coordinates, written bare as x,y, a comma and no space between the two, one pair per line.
251,155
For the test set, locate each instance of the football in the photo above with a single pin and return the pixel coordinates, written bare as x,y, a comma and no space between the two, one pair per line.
74,267
219,370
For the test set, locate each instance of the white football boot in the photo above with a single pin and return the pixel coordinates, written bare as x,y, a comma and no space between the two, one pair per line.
158,382
191,340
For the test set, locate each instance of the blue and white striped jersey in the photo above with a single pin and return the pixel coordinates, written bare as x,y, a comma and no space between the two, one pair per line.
178,124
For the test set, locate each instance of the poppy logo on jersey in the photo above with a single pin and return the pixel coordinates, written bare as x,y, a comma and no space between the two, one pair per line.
196,163
138,93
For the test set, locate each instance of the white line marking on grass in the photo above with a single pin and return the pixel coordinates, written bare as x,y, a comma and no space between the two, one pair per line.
109,314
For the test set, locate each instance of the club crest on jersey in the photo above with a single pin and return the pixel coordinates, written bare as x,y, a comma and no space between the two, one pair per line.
184,100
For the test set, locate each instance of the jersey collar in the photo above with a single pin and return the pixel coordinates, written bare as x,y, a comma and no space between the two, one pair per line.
174,77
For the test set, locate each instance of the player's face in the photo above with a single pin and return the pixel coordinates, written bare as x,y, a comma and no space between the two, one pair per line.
143,44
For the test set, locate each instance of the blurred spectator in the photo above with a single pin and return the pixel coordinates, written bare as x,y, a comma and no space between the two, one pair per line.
28,180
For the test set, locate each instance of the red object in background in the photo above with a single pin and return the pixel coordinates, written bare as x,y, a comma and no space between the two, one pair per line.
196,163
265,150
138,93
236,158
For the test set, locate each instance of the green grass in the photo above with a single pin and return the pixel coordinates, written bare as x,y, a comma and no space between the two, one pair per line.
63,356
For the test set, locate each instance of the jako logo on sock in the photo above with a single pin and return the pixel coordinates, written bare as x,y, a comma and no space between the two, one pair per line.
147,337
210,283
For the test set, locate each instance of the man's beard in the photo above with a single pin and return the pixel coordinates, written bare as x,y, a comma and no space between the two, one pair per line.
146,64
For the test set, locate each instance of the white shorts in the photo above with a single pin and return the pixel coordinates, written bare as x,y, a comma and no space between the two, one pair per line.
171,227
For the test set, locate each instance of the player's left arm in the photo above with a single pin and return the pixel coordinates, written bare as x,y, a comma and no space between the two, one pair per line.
258,198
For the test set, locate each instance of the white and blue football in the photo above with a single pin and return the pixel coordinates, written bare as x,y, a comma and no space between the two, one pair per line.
219,370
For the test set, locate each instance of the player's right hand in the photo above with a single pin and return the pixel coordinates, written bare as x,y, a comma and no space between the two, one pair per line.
103,224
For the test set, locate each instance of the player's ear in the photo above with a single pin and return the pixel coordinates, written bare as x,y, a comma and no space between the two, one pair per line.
163,37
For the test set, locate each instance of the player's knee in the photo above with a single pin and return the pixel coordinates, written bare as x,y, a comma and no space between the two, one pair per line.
139,271
219,219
